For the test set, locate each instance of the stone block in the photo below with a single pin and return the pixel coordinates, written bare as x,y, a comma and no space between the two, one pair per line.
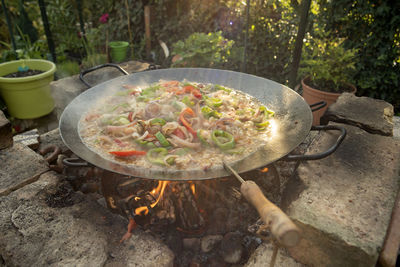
396,127
372,115
108,73
343,203
389,254
53,138
262,256
6,137
66,89
19,166
81,233
29,138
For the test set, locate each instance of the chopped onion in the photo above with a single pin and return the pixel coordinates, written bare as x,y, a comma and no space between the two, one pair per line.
183,143
169,127
143,136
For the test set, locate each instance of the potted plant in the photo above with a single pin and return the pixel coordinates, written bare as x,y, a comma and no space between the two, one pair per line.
119,50
25,87
327,68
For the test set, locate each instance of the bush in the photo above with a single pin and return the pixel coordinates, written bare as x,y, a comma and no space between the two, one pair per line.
66,69
273,29
93,60
328,64
202,50
373,28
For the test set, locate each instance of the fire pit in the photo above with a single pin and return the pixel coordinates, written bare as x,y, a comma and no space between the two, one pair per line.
187,200
191,217
47,222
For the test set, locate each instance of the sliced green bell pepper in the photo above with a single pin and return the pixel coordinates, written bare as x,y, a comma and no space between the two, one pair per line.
161,138
158,121
187,101
209,112
146,144
222,139
150,91
142,98
262,124
170,161
212,101
219,87
268,113
156,155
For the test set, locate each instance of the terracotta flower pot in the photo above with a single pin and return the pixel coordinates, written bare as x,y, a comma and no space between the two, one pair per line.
312,95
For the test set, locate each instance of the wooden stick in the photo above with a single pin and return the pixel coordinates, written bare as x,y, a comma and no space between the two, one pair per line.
274,254
229,168
282,227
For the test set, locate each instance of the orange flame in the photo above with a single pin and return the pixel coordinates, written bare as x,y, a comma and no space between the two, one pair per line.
193,188
157,192
160,190
141,210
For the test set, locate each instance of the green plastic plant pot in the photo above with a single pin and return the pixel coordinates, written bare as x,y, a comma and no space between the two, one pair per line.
27,97
119,50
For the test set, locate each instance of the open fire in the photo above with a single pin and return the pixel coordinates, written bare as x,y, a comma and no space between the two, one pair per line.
203,222
156,193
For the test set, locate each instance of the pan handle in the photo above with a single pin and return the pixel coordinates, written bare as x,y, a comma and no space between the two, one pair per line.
318,106
326,153
100,67
75,162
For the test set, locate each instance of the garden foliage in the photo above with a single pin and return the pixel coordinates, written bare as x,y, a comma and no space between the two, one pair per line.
327,62
203,50
372,28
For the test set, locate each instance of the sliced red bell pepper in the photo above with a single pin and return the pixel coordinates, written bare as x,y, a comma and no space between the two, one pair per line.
128,153
130,116
185,123
196,93
186,89
193,90
135,93
170,83
175,90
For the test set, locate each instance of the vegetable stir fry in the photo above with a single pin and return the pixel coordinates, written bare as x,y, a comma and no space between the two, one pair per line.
176,125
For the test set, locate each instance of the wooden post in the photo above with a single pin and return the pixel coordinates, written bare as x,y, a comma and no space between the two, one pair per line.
128,17
246,36
299,42
147,30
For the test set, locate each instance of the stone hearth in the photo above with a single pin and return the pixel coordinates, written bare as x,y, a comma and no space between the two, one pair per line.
343,203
